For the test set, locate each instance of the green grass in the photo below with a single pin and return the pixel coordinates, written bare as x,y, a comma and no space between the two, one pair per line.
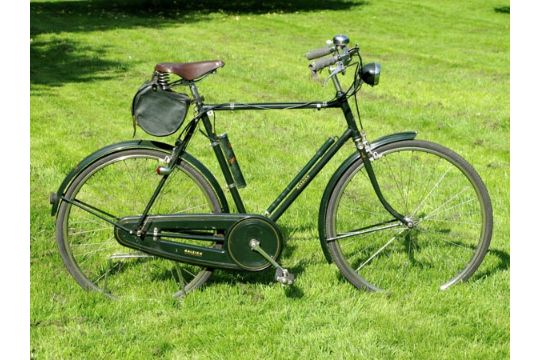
445,74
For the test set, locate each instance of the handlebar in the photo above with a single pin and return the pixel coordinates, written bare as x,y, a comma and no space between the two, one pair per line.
339,50
343,57
317,53
322,63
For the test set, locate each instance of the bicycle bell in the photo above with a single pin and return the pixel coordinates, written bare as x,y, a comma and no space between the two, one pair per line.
341,40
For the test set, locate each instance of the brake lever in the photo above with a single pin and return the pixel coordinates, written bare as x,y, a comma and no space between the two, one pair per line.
339,68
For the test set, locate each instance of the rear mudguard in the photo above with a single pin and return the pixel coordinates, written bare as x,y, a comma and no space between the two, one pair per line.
388,139
135,144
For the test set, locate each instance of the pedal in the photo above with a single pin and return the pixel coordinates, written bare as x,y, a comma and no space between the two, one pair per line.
284,277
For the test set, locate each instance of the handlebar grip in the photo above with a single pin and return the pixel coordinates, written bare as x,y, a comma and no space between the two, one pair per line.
317,53
317,65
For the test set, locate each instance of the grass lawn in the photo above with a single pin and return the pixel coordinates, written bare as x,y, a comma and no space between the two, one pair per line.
445,74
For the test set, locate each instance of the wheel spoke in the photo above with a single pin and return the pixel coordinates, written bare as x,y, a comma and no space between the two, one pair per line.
89,244
104,275
441,207
87,253
441,235
436,186
392,239
90,231
398,185
409,180
452,221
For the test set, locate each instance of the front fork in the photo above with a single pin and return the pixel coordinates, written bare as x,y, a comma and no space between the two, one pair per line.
368,155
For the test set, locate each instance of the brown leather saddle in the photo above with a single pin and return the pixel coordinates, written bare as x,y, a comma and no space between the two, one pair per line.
190,71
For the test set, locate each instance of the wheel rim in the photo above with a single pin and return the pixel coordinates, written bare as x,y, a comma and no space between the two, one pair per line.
431,188
121,186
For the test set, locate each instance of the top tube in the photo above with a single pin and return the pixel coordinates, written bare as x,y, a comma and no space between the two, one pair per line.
271,106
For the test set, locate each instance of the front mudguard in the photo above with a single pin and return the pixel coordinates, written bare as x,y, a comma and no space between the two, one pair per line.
388,139
56,197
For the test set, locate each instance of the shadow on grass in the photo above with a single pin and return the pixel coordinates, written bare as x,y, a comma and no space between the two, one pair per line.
502,9
58,61
265,277
503,264
77,16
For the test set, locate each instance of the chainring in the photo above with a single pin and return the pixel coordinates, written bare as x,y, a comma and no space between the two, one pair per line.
259,228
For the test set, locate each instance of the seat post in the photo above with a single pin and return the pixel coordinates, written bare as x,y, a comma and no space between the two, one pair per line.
195,93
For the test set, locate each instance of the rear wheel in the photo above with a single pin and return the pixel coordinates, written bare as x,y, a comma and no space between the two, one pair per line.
121,185
442,195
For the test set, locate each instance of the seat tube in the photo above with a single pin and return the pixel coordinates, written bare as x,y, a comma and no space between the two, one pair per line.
195,93
214,141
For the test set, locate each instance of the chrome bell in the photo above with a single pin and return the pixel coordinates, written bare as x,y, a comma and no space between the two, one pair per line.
341,40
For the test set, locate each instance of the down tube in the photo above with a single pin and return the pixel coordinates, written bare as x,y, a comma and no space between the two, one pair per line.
311,175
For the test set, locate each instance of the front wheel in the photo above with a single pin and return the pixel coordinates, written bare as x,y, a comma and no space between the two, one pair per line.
438,191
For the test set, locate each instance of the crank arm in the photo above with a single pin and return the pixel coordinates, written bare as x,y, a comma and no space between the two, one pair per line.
283,276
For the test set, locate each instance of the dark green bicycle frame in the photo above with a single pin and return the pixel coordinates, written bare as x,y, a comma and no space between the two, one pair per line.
131,231
314,165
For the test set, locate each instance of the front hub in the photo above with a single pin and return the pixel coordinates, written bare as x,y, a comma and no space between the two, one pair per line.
410,222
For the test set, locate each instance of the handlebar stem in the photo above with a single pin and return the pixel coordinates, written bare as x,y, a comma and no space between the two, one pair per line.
336,82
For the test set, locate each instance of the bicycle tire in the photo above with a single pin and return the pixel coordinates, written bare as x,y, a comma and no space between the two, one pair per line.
431,250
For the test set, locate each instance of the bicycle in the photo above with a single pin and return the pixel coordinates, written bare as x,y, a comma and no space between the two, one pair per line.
141,213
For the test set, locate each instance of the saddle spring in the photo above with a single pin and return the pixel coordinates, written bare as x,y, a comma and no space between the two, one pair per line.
163,80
